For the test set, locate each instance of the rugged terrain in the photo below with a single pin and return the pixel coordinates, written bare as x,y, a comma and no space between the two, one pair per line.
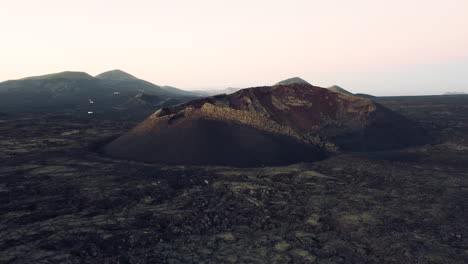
275,125
63,202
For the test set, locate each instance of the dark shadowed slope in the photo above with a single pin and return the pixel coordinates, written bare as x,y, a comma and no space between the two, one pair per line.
213,142
265,126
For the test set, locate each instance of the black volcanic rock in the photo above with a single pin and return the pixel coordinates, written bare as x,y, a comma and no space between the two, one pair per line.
265,126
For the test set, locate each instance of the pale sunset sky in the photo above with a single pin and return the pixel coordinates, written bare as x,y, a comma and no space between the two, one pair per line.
399,47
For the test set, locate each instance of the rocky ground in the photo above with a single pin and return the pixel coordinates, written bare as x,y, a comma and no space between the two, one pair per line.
61,201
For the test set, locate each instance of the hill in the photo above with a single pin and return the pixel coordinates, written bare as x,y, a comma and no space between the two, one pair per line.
274,125
336,88
294,80
80,92
116,75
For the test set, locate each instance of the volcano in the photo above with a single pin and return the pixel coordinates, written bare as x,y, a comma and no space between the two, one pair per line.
272,125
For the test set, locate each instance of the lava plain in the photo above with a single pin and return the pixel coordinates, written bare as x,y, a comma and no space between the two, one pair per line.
62,201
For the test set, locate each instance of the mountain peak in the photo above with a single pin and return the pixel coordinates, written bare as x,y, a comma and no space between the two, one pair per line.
116,75
336,88
293,80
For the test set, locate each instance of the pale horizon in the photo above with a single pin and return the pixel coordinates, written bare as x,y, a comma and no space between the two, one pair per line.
396,48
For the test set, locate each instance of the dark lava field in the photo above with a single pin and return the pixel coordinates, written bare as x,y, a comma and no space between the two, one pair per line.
63,201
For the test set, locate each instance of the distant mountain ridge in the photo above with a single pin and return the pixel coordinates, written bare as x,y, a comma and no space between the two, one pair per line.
178,91
81,92
228,90
334,88
70,75
292,80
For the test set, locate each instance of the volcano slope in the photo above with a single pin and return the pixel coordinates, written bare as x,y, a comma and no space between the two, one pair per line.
275,125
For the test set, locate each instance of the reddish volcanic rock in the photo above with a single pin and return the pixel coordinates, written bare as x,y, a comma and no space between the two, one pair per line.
274,125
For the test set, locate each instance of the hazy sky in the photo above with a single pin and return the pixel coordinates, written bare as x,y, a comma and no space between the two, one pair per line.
372,46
